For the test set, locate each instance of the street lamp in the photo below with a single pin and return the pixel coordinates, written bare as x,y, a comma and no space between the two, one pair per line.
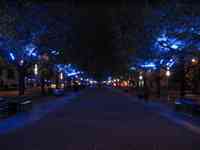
61,76
194,61
141,81
140,77
168,73
21,62
36,69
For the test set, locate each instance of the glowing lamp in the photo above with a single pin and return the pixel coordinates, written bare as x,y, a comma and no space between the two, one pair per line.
61,76
53,86
140,77
168,73
21,62
194,61
36,69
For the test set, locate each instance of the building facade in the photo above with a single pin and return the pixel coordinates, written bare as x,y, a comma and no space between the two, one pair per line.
8,77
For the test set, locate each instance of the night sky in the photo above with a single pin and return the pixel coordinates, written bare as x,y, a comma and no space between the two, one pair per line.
95,50
90,44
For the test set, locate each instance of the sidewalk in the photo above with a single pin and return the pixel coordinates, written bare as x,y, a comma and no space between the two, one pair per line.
28,92
38,111
33,93
166,109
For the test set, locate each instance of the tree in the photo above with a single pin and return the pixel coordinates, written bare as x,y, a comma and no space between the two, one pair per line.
23,28
174,35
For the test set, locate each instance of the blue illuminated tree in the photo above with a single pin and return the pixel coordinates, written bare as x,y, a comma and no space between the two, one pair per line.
24,28
174,36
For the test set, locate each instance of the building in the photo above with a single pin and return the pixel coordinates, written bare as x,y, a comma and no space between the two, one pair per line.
8,76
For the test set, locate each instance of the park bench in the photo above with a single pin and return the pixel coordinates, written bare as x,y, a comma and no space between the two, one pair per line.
4,107
20,104
24,105
187,105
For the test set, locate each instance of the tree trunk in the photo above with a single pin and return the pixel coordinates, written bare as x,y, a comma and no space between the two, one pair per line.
158,86
43,86
21,84
57,81
196,81
182,78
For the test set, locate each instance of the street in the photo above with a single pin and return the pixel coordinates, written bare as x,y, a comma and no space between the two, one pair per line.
102,119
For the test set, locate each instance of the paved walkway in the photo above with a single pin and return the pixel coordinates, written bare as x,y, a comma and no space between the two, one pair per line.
38,111
102,119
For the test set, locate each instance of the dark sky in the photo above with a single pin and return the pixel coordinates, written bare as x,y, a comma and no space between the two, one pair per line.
95,51
92,34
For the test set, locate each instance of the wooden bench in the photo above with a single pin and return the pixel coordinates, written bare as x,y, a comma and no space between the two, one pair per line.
4,108
24,105
187,105
20,104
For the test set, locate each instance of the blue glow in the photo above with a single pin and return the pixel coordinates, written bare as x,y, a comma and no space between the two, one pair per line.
34,54
73,74
12,56
166,43
132,68
162,38
38,112
149,65
29,49
170,63
161,61
174,46
68,69
54,52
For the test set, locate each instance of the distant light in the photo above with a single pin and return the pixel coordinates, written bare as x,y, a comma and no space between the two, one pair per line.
194,60
124,84
61,76
36,69
140,77
168,73
53,86
91,82
132,68
21,62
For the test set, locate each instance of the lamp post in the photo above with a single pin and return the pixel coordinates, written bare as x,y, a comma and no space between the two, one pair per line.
35,69
61,76
168,73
